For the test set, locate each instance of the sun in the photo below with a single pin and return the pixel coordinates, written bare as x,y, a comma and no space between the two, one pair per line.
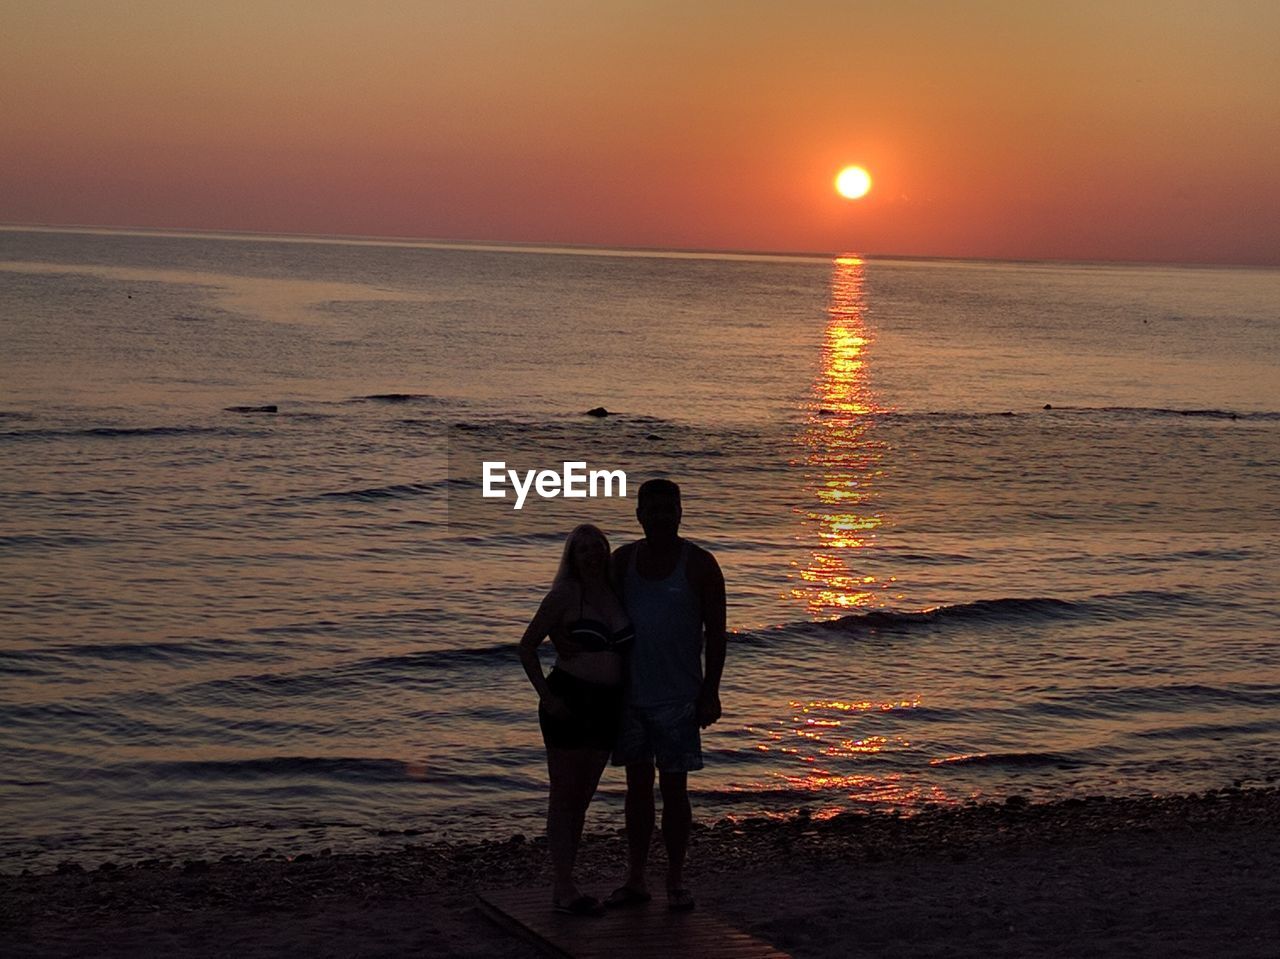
853,182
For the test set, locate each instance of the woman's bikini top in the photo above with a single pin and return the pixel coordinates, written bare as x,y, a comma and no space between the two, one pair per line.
595,636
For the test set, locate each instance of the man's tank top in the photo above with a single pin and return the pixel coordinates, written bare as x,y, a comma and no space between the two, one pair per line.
666,658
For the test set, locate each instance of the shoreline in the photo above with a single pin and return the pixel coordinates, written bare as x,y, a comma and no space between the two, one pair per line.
1143,875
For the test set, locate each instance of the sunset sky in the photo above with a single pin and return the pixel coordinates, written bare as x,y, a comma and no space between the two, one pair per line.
1090,130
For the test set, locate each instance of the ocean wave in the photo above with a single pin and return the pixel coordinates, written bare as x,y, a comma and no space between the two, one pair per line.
197,650
1020,759
234,689
47,541
393,491
119,432
425,669
305,415
770,799
412,664
506,539
154,431
1167,411
398,398
1198,731
11,666
1174,697
496,653
299,629
931,415
88,718
348,769
571,423
1127,411
1004,609
423,616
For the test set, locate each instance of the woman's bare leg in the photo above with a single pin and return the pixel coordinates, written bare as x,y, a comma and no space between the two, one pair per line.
564,818
590,770
574,774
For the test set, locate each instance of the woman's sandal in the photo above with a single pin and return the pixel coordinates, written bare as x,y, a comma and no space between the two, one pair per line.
584,905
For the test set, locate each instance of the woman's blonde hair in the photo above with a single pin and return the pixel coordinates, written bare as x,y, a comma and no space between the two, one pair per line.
567,572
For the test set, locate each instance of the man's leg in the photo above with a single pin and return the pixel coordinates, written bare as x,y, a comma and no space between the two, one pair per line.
677,817
640,814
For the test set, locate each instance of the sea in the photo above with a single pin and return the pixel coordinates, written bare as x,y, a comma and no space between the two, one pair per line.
988,529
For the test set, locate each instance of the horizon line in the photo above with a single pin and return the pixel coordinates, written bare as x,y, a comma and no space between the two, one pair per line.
586,249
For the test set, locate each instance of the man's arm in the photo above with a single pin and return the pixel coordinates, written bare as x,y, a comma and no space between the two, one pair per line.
713,620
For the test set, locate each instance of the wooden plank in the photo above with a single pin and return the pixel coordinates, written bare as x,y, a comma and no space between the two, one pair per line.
636,931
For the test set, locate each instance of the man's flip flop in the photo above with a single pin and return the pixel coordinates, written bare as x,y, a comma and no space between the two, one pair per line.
626,896
582,906
679,900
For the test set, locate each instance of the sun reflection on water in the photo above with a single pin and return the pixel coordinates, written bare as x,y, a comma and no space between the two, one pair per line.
819,745
841,752
840,459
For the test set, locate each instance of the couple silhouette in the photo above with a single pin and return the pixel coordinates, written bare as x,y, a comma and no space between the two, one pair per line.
631,628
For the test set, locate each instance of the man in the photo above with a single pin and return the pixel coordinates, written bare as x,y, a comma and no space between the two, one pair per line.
674,594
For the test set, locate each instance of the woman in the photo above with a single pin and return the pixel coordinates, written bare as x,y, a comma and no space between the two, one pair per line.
580,702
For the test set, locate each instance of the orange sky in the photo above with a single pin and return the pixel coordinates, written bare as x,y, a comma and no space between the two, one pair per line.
1108,130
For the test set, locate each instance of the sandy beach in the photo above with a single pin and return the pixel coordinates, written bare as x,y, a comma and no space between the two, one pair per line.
1145,876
